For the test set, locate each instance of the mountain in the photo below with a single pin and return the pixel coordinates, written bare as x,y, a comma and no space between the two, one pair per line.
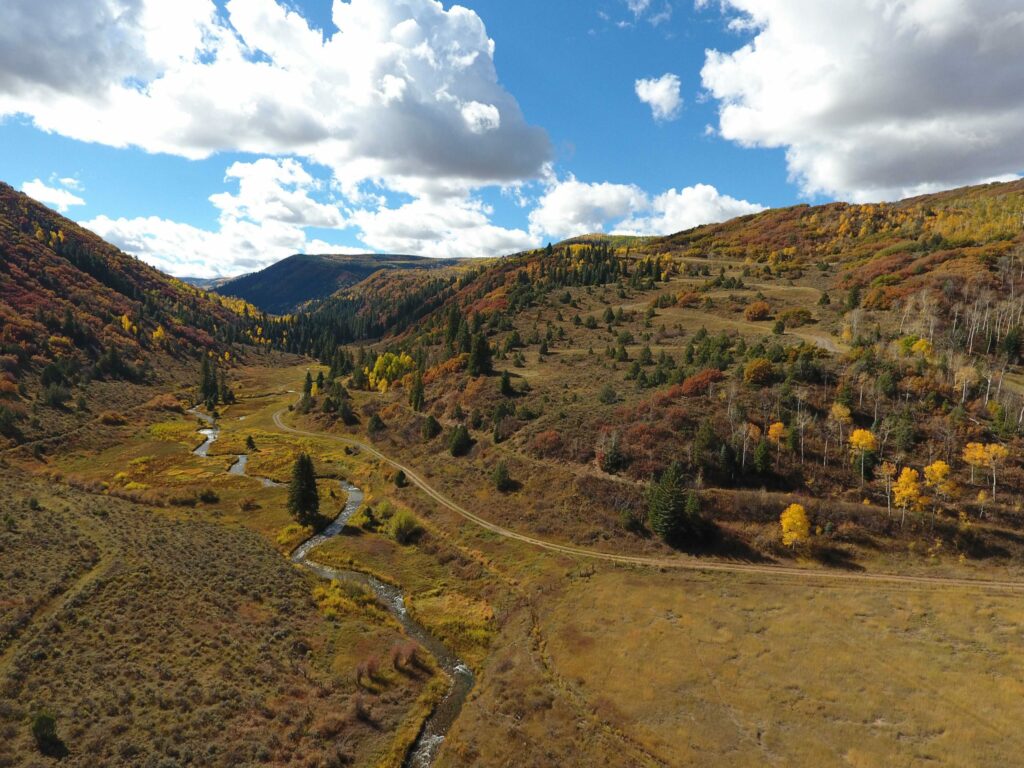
285,286
79,319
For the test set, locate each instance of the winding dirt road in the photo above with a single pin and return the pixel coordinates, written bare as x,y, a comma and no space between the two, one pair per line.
678,562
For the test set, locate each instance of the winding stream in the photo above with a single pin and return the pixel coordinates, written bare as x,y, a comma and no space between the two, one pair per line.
433,732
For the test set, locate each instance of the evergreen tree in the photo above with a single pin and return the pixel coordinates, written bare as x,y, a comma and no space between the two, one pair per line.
459,442
506,385
303,499
762,457
431,428
501,478
666,503
480,356
416,392
208,388
307,387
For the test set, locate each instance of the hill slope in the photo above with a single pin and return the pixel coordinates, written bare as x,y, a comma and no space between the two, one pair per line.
283,287
67,295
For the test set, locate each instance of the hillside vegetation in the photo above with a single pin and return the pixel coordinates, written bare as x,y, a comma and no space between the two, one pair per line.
287,285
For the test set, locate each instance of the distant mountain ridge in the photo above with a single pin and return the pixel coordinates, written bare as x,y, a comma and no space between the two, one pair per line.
285,286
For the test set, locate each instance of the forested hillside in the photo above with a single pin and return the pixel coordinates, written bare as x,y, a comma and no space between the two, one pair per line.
76,310
863,352
287,285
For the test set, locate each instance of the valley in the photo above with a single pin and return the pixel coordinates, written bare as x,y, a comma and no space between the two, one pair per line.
557,482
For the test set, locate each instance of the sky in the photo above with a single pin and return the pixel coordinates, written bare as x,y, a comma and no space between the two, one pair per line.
215,137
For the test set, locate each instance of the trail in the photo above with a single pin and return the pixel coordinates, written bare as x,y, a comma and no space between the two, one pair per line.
676,562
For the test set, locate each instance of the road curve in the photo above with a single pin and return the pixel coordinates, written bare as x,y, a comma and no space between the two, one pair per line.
678,563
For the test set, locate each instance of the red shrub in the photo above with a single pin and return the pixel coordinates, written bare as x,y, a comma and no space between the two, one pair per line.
700,383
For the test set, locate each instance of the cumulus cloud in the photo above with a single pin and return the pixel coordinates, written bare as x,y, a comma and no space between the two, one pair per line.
450,228
570,208
398,90
676,210
263,222
58,197
278,200
876,99
661,95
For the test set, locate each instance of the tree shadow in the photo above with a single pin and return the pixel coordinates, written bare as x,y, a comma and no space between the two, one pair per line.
837,558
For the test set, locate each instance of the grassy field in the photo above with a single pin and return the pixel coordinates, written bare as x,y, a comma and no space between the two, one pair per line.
576,663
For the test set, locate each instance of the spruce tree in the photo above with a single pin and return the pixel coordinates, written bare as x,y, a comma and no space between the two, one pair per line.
459,442
666,503
303,499
416,392
307,387
506,385
480,356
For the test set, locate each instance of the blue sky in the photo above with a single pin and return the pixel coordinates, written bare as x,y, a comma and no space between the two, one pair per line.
405,135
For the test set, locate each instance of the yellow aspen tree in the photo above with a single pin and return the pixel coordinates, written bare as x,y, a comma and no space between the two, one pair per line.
907,491
888,474
159,336
863,442
840,414
777,433
937,477
975,456
995,456
796,527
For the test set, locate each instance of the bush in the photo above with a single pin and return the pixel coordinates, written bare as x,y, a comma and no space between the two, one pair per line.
112,419
607,395
401,480
376,424
547,444
55,395
700,383
759,372
44,731
405,528
209,496
759,310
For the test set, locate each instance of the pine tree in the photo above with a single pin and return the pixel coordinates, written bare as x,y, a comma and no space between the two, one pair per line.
501,478
416,392
666,503
506,385
762,457
459,442
303,499
307,387
480,356
208,388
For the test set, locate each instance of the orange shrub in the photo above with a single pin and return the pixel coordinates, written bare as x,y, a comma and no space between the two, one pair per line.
700,383
547,444
759,310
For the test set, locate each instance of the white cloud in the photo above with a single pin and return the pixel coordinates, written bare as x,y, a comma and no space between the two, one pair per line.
570,208
277,200
57,197
402,91
265,221
877,99
450,228
637,7
674,211
661,95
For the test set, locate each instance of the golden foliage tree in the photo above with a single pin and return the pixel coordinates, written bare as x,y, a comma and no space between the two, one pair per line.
796,527
907,491
887,472
863,442
937,478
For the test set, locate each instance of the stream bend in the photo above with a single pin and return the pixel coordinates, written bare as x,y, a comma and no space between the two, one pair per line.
435,728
